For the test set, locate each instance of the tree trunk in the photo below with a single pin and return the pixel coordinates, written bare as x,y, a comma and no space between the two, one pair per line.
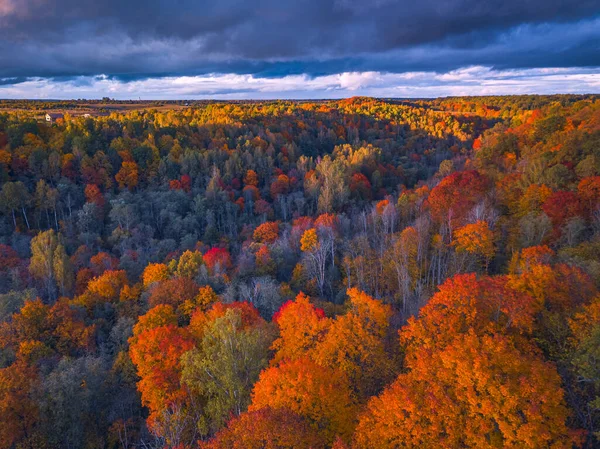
25,215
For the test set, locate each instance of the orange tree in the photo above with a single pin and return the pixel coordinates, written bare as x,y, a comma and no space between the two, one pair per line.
266,428
301,327
478,392
321,395
156,349
475,380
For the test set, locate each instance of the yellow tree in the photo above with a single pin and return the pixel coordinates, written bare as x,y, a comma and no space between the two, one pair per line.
309,240
127,175
155,272
403,259
355,344
189,263
476,239
205,298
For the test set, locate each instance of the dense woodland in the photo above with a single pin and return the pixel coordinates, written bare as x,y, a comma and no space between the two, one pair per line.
353,274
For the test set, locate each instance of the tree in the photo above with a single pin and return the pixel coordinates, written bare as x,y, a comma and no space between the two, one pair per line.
455,196
477,392
59,328
49,262
280,186
13,301
200,318
477,239
403,257
585,350
159,316
175,291
589,192
266,232
63,270
102,289
332,180
560,207
73,396
327,220
94,195
175,184
156,354
18,409
217,260
102,262
558,293
309,240
355,344
225,365
155,272
264,292
319,394
360,187
205,298
189,263
46,198
474,379
532,199
15,196
301,327
127,177
251,178
30,323
266,429
70,334
463,302
264,262
317,246
531,257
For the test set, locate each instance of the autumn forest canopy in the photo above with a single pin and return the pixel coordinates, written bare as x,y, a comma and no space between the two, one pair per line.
351,274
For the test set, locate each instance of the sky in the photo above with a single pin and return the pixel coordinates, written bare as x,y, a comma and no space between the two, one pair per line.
266,49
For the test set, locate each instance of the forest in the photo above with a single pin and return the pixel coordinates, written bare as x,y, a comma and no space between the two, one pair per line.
349,274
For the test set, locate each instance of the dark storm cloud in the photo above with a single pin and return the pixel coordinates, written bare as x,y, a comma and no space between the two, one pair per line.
137,39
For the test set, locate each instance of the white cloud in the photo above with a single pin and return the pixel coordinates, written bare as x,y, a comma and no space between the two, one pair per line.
358,80
475,80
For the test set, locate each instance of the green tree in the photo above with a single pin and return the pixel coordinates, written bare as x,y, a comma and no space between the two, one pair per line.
334,192
46,198
14,196
50,264
226,364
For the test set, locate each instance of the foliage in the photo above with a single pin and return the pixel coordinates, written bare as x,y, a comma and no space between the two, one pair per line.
478,392
266,429
225,365
143,254
321,395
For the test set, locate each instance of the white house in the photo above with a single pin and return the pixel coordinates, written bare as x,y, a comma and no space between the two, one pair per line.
53,116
